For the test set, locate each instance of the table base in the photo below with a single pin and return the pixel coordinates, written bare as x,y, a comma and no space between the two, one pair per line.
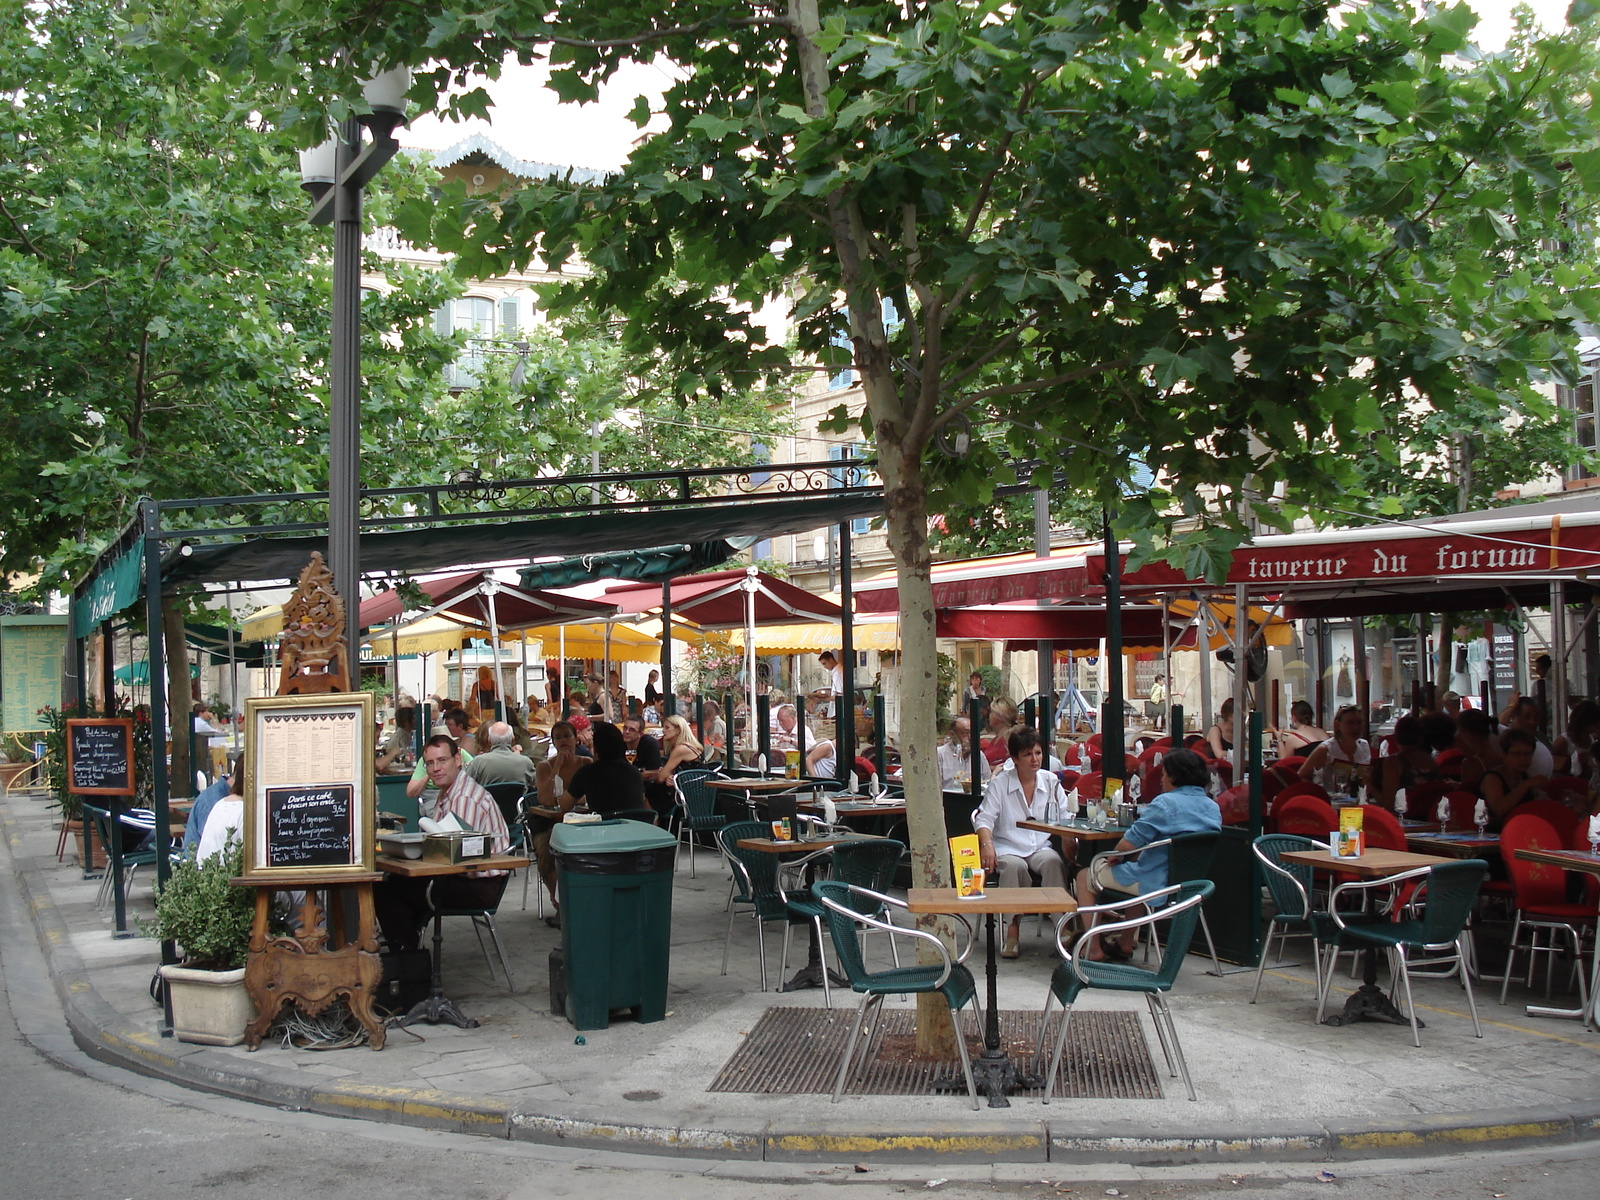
435,1009
1370,1002
810,976
994,1074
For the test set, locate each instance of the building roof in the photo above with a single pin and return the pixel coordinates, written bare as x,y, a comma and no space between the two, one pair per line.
478,145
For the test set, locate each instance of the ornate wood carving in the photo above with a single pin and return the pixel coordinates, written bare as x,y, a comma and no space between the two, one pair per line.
314,657
302,970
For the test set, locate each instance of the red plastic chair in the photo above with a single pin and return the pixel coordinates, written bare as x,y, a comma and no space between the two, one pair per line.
1450,762
1290,766
1224,770
1091,785
1094,743
1561,818
1150,785
1306,816
1539,896
1069,779
1380,829
1235,805
1422,799
1571,793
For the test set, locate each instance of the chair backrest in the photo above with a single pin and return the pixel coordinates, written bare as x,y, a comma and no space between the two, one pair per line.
869,863
1532,883
1307,816
1288,767
755,871
1452,891
1380,828
1091,785
1449,761
1182,914
842,926
1150,785
1189,857
509,797
1553,806
1235,804
1422,799
698,800
1094,743
1289,883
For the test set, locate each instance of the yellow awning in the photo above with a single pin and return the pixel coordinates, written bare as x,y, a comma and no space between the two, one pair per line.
1278,631
589,641
264,626
820,635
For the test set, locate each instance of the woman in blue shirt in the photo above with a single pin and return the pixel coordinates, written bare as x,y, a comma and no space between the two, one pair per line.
1182,807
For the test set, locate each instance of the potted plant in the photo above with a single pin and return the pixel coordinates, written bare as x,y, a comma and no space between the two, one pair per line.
210,919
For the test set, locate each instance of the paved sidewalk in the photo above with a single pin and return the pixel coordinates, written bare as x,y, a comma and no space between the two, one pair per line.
1272,1085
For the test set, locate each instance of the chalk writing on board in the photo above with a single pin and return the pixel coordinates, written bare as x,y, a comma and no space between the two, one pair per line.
98,757
311,826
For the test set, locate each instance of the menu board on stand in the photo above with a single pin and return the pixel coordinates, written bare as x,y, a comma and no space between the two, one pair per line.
100,764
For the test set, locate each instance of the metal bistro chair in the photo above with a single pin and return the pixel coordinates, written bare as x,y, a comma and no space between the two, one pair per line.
483,918
1447,894
847,906
1189,858
1078,973
756,887
869,864
1290,885
1539,898
139,847
696,810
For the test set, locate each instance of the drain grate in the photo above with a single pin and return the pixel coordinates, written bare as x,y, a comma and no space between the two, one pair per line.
796,1051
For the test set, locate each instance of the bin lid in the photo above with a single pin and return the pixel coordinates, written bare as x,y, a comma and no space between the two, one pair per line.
609,837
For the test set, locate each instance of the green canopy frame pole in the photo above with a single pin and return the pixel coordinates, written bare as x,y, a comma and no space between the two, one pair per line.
669,694
844,707
1112,754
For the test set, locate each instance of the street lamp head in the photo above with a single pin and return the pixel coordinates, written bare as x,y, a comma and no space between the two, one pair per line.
317,167
386,94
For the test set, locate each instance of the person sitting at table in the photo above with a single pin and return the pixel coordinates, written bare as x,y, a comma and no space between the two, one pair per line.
222,820
608,782
402,904
1342,763
1002,719
553,774
229,785
1008,853
458,725
1303,732
681,748
502,762
713,730
1219,738
399,744
786,729
1510,784
1409,765
1479,746
1182,806
645,753
955,757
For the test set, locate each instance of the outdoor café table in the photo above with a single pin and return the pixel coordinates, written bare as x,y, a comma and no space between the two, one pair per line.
993,1070
1076,831
753,786
1588,864
809,975
1368,1000
855,808
436,1007
1455,845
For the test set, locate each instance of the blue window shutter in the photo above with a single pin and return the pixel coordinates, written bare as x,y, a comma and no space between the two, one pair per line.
510,315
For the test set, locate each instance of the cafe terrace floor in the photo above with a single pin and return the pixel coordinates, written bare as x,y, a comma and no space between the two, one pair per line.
1272,1085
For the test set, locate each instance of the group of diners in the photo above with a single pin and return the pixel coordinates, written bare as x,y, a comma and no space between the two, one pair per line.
1024,790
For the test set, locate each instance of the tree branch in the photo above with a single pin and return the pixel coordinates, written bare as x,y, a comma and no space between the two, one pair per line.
960,406
22,233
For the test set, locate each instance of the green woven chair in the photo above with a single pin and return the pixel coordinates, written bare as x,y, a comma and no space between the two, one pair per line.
1078,974
1189,858
1446,894
869,863
756,887
1290,886
696,810
847,906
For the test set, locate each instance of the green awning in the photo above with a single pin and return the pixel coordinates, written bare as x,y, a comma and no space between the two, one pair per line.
111,591
655,563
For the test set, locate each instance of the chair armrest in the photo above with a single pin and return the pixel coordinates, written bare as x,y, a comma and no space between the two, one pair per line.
1136,851
1115,906
892,929
1358,885
1164,913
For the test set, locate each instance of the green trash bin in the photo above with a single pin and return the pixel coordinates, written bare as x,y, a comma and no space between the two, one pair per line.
615,879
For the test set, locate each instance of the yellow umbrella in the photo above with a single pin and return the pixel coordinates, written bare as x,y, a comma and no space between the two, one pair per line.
818,635
265,625
1278,631
589,641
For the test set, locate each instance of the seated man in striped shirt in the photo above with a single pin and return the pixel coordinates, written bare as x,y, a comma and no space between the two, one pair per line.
402,904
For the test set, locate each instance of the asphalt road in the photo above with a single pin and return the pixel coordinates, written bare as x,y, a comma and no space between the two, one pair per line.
74,1128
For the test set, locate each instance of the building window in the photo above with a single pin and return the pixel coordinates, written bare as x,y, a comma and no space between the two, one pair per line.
474,316
1580,400
839,477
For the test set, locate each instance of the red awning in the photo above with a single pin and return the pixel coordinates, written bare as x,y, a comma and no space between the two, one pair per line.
466,598
1459,562
717,600
1087,625
1002,580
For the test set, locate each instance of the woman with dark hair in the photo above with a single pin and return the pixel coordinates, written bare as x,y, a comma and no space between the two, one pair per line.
1480,751
1303,732
1220,736
1341,763
610,782
1410,764
1508,785
1011,855
554,774
1181,807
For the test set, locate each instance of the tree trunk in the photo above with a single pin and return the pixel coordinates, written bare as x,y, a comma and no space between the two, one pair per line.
906,509
180,701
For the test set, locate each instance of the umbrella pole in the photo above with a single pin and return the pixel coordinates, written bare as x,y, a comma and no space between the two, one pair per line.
749,655
1166,666
609,705
561,671
494,652
233,672
1203,645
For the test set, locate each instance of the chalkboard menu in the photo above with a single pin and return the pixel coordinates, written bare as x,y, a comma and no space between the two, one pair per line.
100,757
308,786
311,826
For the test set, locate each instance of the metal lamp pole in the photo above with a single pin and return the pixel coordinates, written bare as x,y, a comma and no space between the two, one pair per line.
335,174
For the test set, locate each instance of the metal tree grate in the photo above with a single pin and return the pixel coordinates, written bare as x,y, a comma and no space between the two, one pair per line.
796,1051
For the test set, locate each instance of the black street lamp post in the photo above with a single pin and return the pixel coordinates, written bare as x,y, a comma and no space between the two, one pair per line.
335,174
